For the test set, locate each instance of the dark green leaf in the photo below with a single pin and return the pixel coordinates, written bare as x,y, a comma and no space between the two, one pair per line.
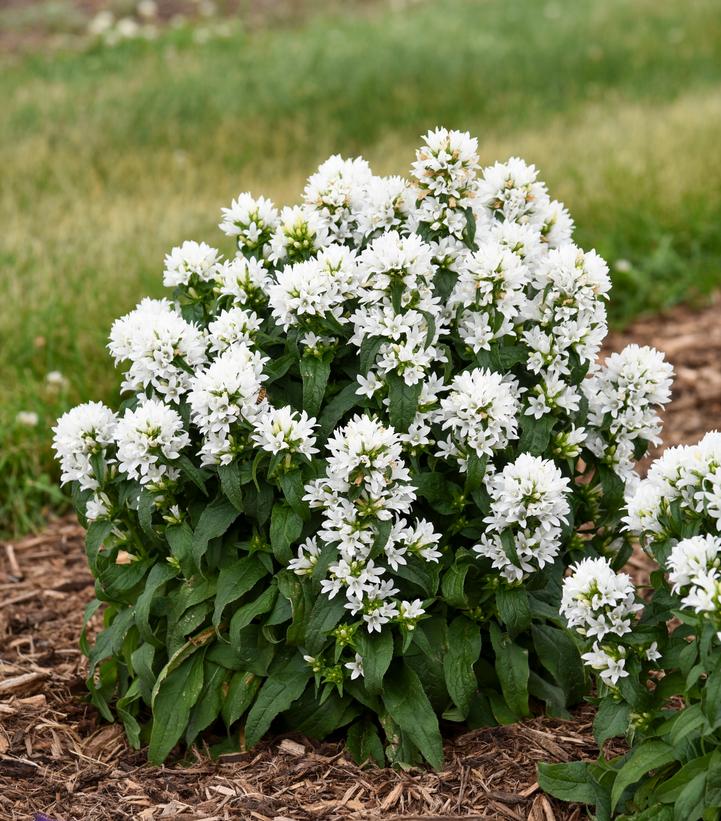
278,692
513,609
172,705
377,652
241,692
285,528
324,616
209,702
403,401
648,756
512,670
314,372
235,581
535,434
217,517
230,483
567,782
364,743
464,649
406,700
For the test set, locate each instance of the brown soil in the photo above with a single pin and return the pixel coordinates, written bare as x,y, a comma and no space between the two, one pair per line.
59,759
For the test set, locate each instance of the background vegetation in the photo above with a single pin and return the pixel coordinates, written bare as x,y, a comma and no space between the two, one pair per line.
111,155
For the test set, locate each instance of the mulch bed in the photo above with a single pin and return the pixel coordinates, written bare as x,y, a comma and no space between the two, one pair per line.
58,758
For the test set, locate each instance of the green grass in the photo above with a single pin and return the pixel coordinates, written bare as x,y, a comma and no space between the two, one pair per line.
111,156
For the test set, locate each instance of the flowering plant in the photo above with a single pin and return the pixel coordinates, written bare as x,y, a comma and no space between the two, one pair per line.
354,461
657,660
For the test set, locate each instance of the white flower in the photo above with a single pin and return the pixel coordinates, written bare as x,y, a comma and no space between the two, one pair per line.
628,390
694,570
148,439
597,601
512,192
480,411
232,326
56,381
244,280
334,192
252,221
283,429
300,234
528,498
355,667
384,204
228,392
80,434
188,261
609,663
160,346
307,558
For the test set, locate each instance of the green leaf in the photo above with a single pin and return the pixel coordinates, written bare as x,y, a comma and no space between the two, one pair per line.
314,372
214,521
648,756
336,408
196,475
513,609
241,692
244,615
535,434
368,352
96,534
377,652
567,782
230,483
158,576
146,508
512,670
464,649
364,743
406,700
278,692
611,720
403,401
285,528
559,655
109,642
208,705
324,616
180,540
235,581
439,491
453,584
292,486
172,704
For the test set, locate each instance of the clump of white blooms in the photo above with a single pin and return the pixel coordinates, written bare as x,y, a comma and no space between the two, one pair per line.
149,439
693,570
190,264
529,507
163,349
600,604
80,434
623,398
597,601
387,376
690,477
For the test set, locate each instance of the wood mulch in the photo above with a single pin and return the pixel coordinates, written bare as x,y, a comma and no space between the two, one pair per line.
60,761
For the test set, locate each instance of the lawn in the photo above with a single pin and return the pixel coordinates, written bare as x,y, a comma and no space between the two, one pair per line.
113,155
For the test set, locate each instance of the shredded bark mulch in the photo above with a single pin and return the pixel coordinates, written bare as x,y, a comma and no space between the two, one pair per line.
58,759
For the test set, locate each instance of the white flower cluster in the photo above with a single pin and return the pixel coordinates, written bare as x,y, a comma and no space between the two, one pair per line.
80,434
363,496
690,477
598,603
529,506
162,348
624,398
445,324
694,570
